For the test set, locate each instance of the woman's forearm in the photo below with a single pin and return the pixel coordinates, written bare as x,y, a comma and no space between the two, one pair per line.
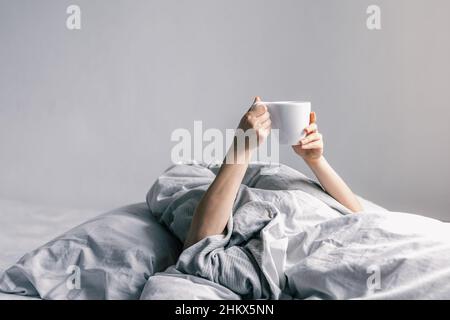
215,207
333,184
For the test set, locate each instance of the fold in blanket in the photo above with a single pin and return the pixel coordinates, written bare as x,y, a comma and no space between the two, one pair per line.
287,238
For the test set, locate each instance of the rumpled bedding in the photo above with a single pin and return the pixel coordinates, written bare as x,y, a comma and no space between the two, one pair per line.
108,257
288,239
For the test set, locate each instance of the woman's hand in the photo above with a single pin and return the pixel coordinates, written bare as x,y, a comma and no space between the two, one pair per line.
310,147
311,150
256,123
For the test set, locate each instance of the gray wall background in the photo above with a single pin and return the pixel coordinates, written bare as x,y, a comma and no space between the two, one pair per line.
86,116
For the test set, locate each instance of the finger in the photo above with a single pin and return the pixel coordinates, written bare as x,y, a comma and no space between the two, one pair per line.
264,131
256,101
263,117
258,109
312,137
313,145
267,123
312,117
311,128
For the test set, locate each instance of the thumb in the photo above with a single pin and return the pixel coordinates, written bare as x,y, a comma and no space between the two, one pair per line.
312,117
257,99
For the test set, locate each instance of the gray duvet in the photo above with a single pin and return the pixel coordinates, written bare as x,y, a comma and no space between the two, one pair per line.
286,238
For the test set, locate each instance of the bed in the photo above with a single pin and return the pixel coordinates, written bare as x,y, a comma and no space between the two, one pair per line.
25,226
286,239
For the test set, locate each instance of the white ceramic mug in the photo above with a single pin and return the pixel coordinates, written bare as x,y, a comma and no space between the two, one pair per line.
290,118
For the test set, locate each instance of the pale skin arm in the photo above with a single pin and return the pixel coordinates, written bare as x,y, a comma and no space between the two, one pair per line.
311,150
215,207
334,185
